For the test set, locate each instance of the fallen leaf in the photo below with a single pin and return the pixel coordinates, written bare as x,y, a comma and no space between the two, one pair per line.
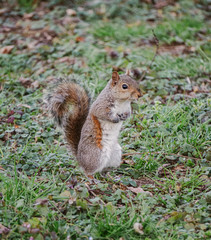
31,45
11,113
79,39
24,105
26,82
3,229
42,202
3,10
34,230
28,15
139,190
163,3
6,49
138,227
70,12
11,119
195,89
65,59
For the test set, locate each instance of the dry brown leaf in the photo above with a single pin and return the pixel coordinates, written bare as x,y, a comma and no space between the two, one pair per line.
26,82
31,45
3,229
42,202
3,10
163,3
6,49
80,39
195,89
70,12
139,190
28,15
65,59
24,105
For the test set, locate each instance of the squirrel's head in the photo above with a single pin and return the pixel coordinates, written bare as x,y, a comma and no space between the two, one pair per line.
124,87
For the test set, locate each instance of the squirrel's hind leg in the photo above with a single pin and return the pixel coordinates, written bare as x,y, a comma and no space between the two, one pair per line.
116,155
92,159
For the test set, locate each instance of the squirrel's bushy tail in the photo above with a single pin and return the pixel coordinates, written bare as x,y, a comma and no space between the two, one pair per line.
69,106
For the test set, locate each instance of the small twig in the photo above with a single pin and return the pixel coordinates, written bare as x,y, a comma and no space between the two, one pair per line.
157,49
153,59
171,154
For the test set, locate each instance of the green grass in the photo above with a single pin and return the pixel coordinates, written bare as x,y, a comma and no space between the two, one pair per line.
163,183
169,30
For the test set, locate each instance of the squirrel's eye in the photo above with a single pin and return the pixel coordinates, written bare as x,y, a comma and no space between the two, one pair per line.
124,86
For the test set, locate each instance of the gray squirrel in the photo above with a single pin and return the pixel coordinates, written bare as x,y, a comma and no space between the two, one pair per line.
92,131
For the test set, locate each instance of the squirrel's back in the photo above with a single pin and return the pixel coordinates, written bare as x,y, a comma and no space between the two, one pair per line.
69,105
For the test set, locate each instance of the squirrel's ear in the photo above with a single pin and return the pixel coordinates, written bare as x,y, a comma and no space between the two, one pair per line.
127,72
115,78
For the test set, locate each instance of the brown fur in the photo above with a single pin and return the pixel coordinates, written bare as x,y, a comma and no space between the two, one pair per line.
98,131
66,96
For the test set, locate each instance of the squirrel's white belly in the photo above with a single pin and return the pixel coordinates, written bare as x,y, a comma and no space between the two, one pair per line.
110,133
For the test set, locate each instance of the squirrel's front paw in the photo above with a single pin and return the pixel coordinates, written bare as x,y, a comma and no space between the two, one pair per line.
124,116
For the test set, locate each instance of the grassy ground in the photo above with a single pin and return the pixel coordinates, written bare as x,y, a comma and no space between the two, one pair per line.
162,190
